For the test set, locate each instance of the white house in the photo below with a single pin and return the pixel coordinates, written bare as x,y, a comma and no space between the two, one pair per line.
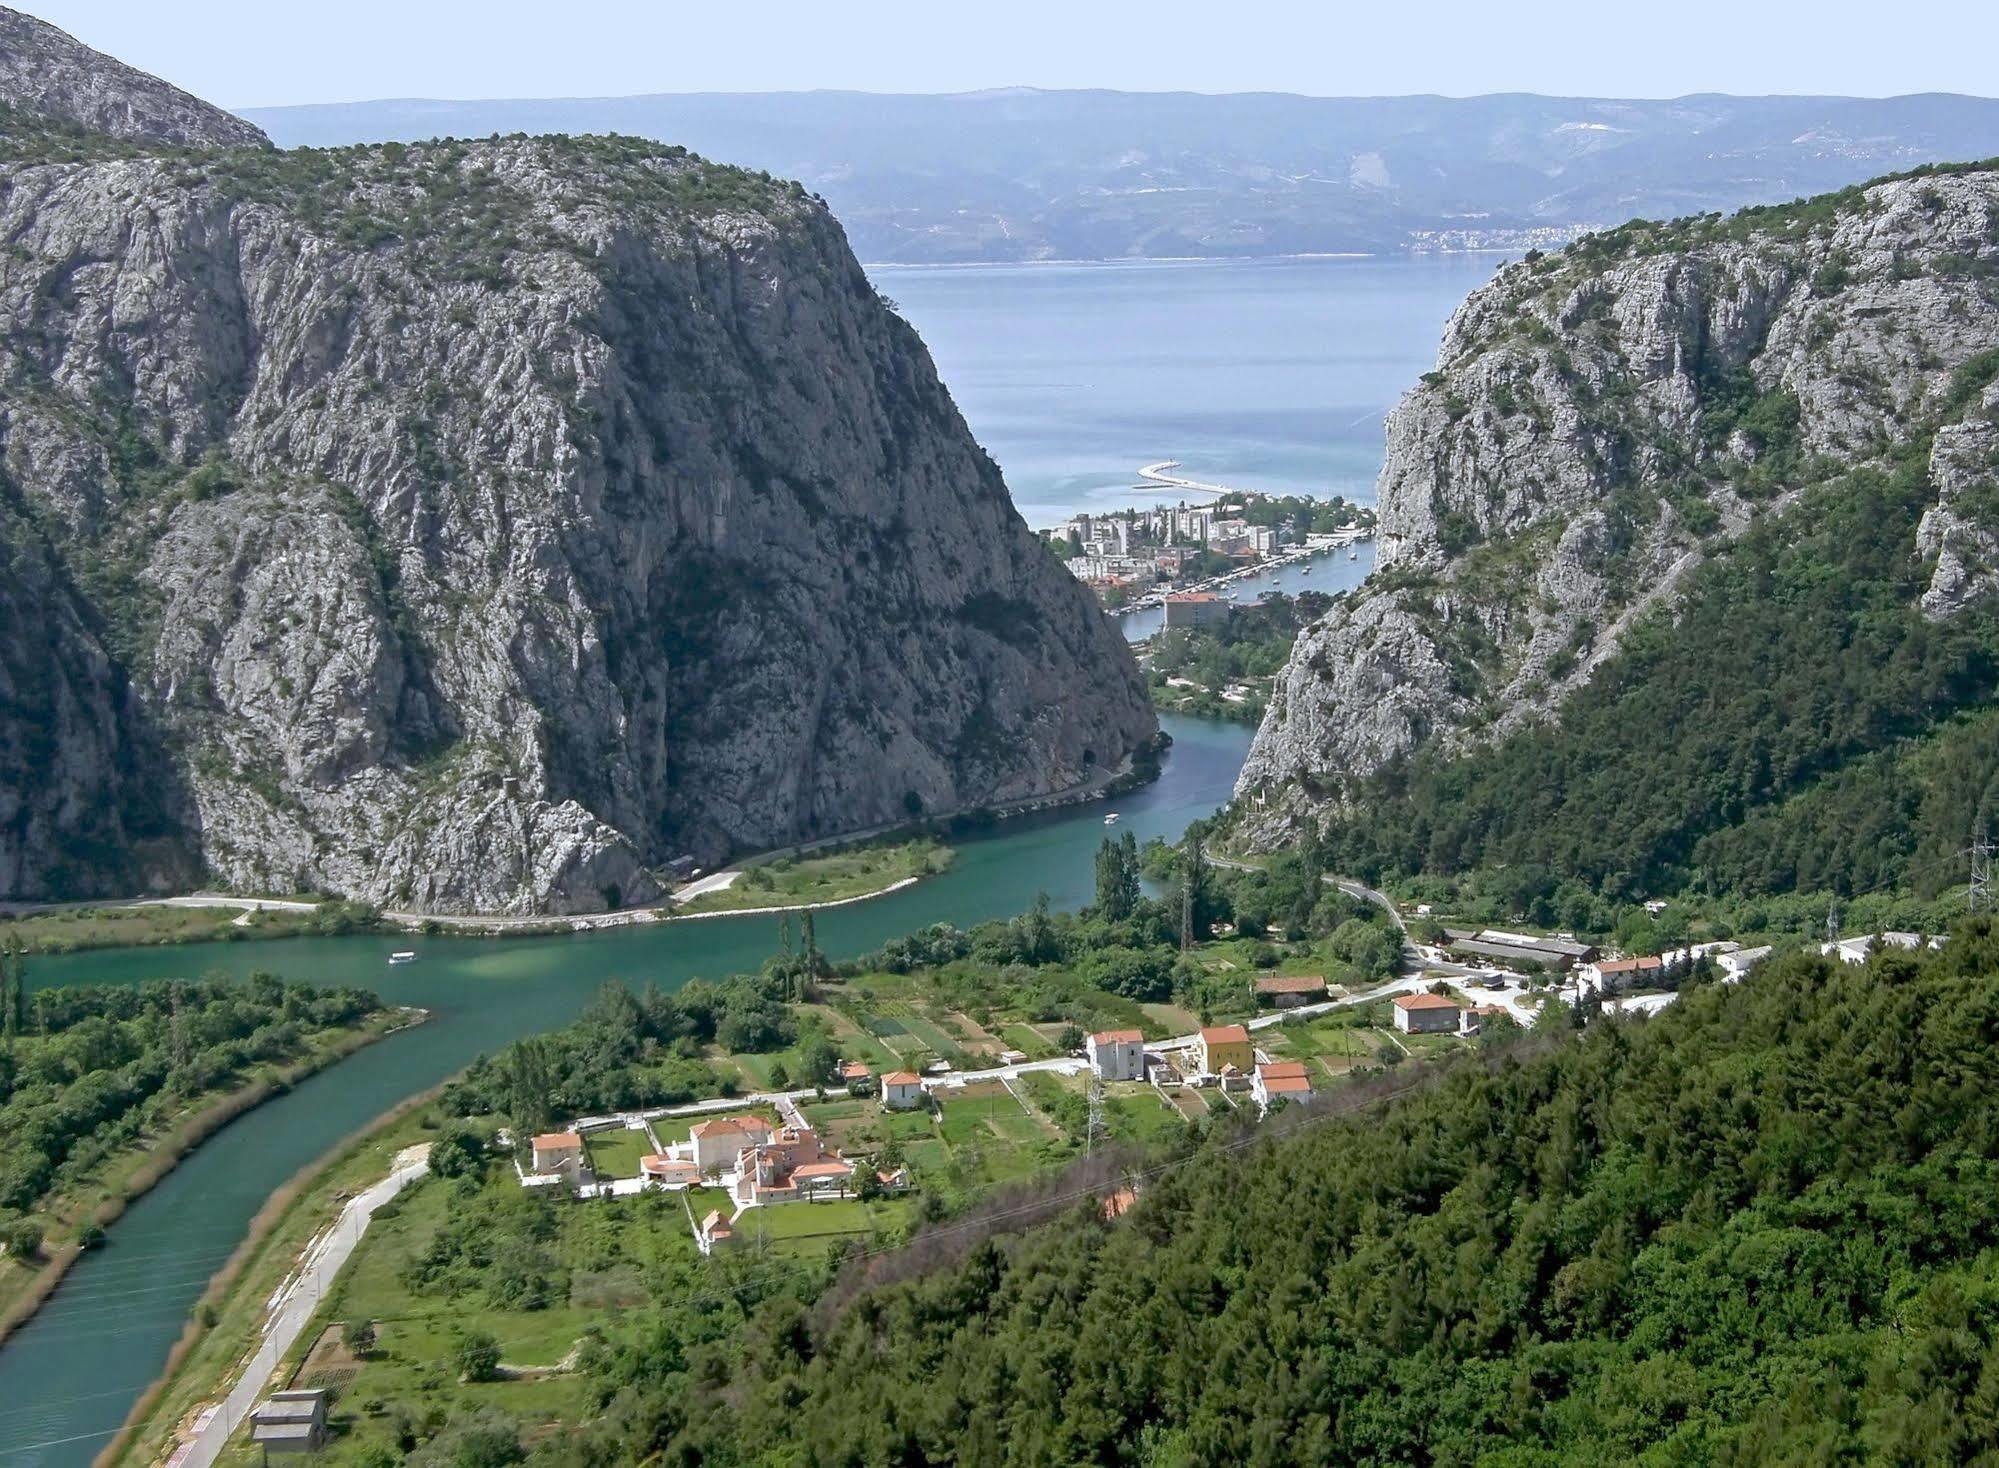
1855,950
1734,965
1117,1055
1607,974
558,1152
1280,1078
718,1143
902,1090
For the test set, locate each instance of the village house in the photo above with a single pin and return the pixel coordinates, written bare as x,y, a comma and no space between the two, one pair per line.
1474,1018
852,1072
1289,991
793,1166
712,1231
1734,966
669,1171
1609,974
1117,1055
1195,609
558,1154
1225,1046
1425,1014
716,1145
902,1090
1280,1078
1856,950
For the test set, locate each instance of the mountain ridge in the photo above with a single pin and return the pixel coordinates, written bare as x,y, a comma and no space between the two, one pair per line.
1025,174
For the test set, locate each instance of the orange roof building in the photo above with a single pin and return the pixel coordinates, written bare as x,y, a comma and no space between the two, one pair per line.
1222,1046
1425,1014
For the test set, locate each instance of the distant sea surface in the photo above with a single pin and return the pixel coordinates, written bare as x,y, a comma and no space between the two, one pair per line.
1260,374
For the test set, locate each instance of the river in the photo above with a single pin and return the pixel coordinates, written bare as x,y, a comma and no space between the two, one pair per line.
1266,374
68,1377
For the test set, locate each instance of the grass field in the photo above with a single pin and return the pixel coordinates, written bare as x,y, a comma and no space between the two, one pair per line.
813,1224
70,929
1171,1019
833,877
1028,1041
609,1254
616,1152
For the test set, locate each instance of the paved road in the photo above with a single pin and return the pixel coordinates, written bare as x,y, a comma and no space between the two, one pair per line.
293,1306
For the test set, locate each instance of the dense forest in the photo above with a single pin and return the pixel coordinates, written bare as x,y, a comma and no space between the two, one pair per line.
1756,1228
1795,723
87,1071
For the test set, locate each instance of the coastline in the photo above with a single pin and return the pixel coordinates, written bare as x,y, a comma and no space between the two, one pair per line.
173,1149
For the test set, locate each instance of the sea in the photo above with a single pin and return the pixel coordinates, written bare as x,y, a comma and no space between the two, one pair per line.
1272,375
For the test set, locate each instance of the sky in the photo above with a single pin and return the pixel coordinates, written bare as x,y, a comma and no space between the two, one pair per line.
274,52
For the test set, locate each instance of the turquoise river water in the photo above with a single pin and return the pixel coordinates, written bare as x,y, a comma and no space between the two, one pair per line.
68,1377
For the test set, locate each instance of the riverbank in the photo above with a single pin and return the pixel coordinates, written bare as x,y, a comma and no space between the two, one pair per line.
231,1316
62,928
133,1173
483,996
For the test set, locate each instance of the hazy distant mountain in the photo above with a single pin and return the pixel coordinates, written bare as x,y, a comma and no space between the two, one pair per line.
1024,175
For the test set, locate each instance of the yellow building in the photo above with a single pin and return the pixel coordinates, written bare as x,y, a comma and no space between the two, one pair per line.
1226,1045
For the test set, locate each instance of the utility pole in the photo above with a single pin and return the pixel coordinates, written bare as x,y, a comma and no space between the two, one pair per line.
1096,1112
1189,880
1832,921
1979,897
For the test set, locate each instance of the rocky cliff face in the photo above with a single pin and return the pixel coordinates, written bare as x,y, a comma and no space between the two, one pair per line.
50,75
478,526
1601,422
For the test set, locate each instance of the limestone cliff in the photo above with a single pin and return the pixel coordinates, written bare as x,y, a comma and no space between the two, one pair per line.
50,75
481,525
1603,421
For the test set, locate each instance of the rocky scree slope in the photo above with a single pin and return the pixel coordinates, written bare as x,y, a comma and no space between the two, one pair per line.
1605,421
478,526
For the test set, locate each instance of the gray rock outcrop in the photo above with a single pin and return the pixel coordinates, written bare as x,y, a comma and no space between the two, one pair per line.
1604,420
48,74
480,526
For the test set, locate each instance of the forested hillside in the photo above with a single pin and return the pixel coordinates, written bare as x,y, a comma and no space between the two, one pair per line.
1687,568
1795,723
1755,1229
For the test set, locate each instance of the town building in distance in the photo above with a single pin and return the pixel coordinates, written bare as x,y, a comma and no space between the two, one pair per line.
1145,553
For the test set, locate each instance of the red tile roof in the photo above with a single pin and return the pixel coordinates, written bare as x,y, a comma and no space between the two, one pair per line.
1286,1075
1629,965
833,1168
1119,1037
1291,984
1226,1035
558,1142
722,1126
902,1078
1424,1001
